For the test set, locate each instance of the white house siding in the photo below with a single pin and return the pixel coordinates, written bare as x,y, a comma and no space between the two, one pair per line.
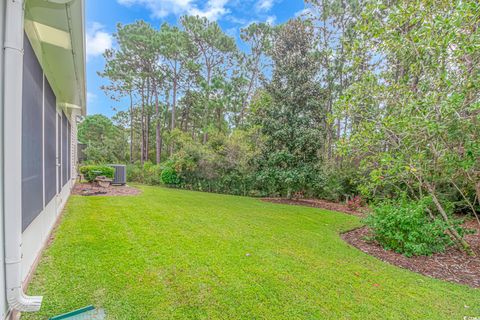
3,298
66,69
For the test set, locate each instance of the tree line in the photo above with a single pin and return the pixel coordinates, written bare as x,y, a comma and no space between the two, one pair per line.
354,97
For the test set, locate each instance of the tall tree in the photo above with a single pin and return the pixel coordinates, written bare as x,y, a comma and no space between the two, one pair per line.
178,62
259,38
418,131
293,122
335,22
120,74
104,141
216,51
140,43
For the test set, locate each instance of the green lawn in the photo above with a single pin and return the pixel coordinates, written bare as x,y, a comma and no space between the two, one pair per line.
171,254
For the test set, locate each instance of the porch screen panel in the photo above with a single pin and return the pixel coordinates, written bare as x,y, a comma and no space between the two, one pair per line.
50,115
64,149
69,159
59,144
32,133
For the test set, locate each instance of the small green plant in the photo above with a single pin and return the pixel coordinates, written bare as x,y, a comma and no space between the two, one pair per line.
169,176
92,171
405,227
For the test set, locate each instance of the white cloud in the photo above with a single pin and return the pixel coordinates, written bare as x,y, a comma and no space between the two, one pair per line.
161,8
212,10
271,20
264,5
236,20
97,40
232,32
91,96
303,13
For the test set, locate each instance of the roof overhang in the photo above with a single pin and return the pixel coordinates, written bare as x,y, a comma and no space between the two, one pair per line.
56,30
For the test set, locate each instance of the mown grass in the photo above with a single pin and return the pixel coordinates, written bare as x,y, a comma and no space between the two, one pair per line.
171,254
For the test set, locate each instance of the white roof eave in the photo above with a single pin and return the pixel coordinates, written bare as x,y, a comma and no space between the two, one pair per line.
57,34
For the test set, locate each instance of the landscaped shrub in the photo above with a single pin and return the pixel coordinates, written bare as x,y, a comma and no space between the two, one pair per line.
337,184
135,173
92,171
147,173
152,173
169,176
405,227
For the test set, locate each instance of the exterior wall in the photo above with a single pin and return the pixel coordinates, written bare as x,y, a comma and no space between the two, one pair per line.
36,236
66,68
74,143
3,298
37,228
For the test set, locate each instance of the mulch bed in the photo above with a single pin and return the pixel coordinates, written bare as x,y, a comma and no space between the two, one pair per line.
88,189
452,265
316,203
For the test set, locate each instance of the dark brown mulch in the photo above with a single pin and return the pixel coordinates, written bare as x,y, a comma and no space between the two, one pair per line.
88,189
316,203
453,265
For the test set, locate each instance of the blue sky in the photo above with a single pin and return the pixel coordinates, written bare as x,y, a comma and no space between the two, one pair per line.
103,15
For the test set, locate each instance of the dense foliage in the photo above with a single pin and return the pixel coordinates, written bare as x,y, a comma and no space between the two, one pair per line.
90,172
401,225
104,142
367,98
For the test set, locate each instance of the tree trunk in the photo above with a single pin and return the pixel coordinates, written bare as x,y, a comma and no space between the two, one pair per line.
246,99
142,151
158,149
131,127
207,107
477,190
147,120
174,104
451,229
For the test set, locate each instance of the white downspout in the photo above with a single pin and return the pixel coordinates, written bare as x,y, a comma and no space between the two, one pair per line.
12,155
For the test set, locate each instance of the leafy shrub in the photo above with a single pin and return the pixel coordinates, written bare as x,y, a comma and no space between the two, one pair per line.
405,227
337,183
92,171
169,176
149,173
152,173
135,173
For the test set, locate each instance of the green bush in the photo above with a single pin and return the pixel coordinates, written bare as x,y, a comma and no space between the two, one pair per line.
148,173
135,173
405,227
169,176
337,183
92,171
152,173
